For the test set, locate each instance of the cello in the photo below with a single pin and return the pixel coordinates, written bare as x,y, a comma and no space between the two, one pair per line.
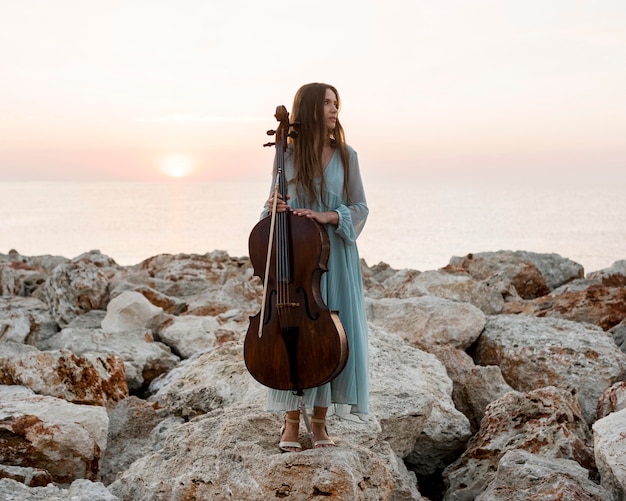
295,342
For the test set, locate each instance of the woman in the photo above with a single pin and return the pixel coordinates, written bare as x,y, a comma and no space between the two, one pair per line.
324,184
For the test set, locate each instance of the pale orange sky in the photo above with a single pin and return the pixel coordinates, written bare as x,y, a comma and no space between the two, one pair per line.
108,90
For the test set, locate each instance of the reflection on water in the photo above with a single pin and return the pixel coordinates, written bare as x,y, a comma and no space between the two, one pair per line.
411,225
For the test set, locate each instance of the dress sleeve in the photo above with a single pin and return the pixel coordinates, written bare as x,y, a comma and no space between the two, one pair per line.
353,214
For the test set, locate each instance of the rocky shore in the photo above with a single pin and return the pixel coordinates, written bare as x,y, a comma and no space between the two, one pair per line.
499,377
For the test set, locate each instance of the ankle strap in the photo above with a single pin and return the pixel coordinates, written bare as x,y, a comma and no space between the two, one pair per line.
292,421
317,420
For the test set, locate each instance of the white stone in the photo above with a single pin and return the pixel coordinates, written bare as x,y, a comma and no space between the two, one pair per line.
129,311
610,450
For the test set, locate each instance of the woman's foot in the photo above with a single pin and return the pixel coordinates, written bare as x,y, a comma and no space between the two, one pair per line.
320,434
289,434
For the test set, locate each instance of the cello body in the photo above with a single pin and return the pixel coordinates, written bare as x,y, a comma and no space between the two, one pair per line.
295,342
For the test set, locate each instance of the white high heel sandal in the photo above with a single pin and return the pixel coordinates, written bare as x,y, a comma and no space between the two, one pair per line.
287,446
318,444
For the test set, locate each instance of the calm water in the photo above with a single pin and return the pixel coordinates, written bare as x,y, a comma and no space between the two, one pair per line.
411,225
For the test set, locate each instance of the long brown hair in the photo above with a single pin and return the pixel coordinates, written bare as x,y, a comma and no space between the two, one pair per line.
308,110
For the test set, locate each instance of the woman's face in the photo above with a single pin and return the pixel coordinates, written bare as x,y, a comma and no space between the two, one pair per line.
331,109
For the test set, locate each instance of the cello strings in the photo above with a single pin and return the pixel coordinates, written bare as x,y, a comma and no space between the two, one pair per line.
280,244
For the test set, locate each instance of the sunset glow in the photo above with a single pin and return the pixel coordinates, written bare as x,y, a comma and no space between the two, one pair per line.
177,165
98,90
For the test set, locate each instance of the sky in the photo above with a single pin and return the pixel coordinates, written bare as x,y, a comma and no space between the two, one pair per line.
151,90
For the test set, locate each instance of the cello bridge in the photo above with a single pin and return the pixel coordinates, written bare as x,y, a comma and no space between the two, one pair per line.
287,305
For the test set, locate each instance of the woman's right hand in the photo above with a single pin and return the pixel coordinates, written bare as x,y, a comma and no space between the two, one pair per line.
281,205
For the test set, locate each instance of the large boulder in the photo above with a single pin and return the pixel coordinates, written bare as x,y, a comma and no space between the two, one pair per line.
25,320
144,359
190,335
547,422
411,397
91,378
129,311
428,321
519,273
231,453
523,475
597,304
24,276
450,283
210,284
610,450
210,381
535,352
474,386
418,419
64,439
79,285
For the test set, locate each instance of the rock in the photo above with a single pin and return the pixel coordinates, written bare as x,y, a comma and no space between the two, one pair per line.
381,280
506,273
410,395
132,435
613,276
230,453
456,285
557,270
547,422
19,278
535,352
96,379
79,285
218,379
428,321
522,475
450,283
201,285
91,320
612,399
130,311
31,477
144,359
474,386
597,304
211,381
172,305
610,449
25,276
440,371
189,335
50,434
619,335
530,274
189,275
80,490
25,320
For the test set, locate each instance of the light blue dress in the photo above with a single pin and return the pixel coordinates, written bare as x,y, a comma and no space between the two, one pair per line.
342,289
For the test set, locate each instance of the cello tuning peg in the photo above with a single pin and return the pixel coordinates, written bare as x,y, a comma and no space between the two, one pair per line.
295,125
269,144
293,134
271,132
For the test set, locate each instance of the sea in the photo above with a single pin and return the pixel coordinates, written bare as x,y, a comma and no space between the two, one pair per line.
412,224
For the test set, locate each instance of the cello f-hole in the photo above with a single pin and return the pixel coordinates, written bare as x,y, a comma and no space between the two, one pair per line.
306,304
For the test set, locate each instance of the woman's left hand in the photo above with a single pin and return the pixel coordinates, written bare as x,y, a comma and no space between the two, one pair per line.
330,217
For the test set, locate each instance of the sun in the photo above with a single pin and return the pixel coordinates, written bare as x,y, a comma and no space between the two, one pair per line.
177,165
